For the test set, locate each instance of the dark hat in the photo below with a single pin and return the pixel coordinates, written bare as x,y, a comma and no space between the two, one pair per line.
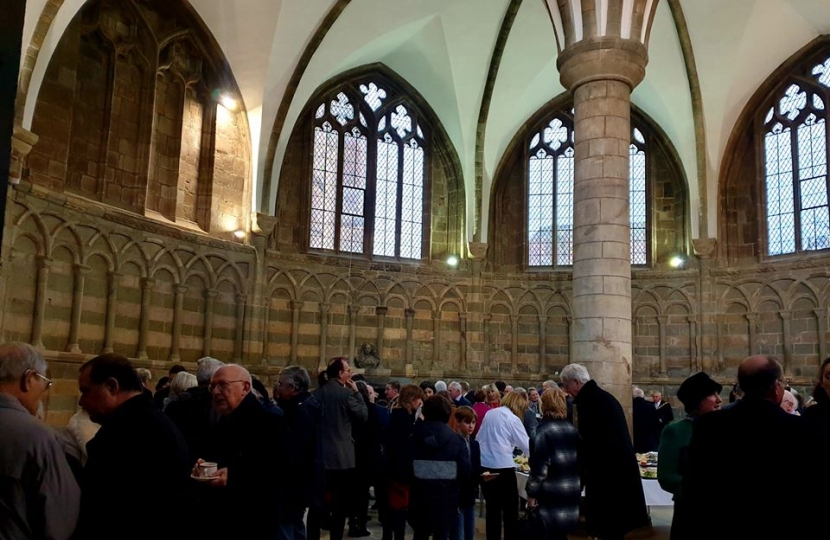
695,388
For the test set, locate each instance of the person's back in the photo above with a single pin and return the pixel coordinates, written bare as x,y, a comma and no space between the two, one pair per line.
646,426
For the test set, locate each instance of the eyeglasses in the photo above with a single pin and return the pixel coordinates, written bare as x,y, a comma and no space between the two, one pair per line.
38,375
222,385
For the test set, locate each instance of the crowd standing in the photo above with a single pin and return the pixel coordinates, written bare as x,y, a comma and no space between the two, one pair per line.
215,455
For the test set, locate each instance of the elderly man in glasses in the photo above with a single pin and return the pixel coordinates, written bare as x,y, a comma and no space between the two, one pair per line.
249,444
39,498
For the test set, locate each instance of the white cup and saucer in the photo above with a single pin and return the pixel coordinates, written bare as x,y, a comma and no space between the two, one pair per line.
205,471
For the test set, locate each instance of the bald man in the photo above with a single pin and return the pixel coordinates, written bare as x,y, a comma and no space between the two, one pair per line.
249,445
743,447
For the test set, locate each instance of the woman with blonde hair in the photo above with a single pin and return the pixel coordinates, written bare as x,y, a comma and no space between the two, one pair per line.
501,431
553,486
491,400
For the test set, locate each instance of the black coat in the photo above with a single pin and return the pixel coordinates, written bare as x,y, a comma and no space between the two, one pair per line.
302,416
468,487
554,475
646,426
433,503
253,444
614,501
395,442
744,446
136,478
194,417
665,414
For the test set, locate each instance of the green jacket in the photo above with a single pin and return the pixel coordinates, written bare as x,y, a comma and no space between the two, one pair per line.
672,455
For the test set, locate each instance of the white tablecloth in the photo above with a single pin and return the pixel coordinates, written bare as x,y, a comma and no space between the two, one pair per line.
655,496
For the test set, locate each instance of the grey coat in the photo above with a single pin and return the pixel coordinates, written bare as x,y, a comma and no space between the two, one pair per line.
35,478
340,408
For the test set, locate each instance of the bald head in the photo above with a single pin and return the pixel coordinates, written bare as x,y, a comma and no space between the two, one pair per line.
234,371
759,376
228,387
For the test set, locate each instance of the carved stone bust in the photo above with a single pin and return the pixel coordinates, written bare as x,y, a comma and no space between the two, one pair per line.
368,358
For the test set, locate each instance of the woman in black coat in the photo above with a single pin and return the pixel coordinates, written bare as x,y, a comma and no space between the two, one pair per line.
553,486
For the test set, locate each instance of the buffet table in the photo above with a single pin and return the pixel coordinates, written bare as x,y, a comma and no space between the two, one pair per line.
655,496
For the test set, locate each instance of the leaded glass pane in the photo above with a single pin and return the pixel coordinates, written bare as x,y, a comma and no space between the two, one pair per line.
373,95
637,205
638,136
822,71
412,212
386,197
812,174
565,208
540,210
342,110
320,111
555,134
779,191
793,102
324,188
401,121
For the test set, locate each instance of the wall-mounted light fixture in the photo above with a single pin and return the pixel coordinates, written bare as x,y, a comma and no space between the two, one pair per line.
677,261
452,261
240,233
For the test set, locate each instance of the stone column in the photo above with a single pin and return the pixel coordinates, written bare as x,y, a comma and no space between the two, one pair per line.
266,322
178,307
707,345
514,342
694,350
324,331
721,320
752,320
79,271
354,309
786,322
112,303
43,265
662,321
241,302
821,316
436,339
147,285
543,319
207,339
486,344
381,314
603,57
410,316
462,362
296,306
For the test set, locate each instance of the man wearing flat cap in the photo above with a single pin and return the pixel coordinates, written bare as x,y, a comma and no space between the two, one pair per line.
742,446
700,394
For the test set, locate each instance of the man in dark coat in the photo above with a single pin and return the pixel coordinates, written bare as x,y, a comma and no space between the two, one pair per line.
614,501
342,407
249,445
439,459
665,414
301,411
136,475
744,444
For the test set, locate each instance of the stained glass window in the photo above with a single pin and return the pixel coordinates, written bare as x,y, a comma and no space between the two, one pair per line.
369,174
795,165
550,196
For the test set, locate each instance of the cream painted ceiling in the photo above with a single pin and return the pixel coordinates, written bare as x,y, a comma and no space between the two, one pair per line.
443,48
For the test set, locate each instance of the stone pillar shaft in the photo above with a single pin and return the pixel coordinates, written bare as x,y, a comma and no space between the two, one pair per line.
77,303
436,339
144,322
353,311
602,264
381,313
239,337
410,316
462,361
210,299
324,332
178,307
112,302
296,305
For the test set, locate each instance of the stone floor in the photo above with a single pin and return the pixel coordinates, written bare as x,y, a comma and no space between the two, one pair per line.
660,517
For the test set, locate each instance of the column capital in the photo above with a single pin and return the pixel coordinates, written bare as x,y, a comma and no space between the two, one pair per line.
242,298
211,293
785,315
381,310
409,313
353,309
325,307
180,289
704,247
148,283
751,316
820,312
606,58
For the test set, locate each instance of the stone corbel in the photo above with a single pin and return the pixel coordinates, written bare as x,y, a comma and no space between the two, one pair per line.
23,141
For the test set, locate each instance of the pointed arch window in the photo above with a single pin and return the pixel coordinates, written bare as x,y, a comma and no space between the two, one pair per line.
369,165
795,153
550,188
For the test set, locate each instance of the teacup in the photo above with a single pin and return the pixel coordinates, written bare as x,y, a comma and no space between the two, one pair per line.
207,468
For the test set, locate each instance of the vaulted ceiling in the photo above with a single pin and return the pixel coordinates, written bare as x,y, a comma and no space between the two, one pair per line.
444,48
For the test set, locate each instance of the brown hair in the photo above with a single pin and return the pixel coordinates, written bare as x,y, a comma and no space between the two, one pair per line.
465,414
554,403
409,393
516,402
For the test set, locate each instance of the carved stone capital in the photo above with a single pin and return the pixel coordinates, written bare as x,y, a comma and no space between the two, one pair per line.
704,247
606,58
478,250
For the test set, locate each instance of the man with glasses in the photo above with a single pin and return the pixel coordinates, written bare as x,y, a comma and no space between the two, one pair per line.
137,464
249,444
38,494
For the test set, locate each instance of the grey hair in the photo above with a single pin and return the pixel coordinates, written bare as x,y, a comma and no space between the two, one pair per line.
521,391
455,385
638,392
574,372
18,358
440,385
205,368
297,376
181,382
144,374
550,383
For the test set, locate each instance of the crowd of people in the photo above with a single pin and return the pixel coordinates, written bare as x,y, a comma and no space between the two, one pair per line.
214,455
